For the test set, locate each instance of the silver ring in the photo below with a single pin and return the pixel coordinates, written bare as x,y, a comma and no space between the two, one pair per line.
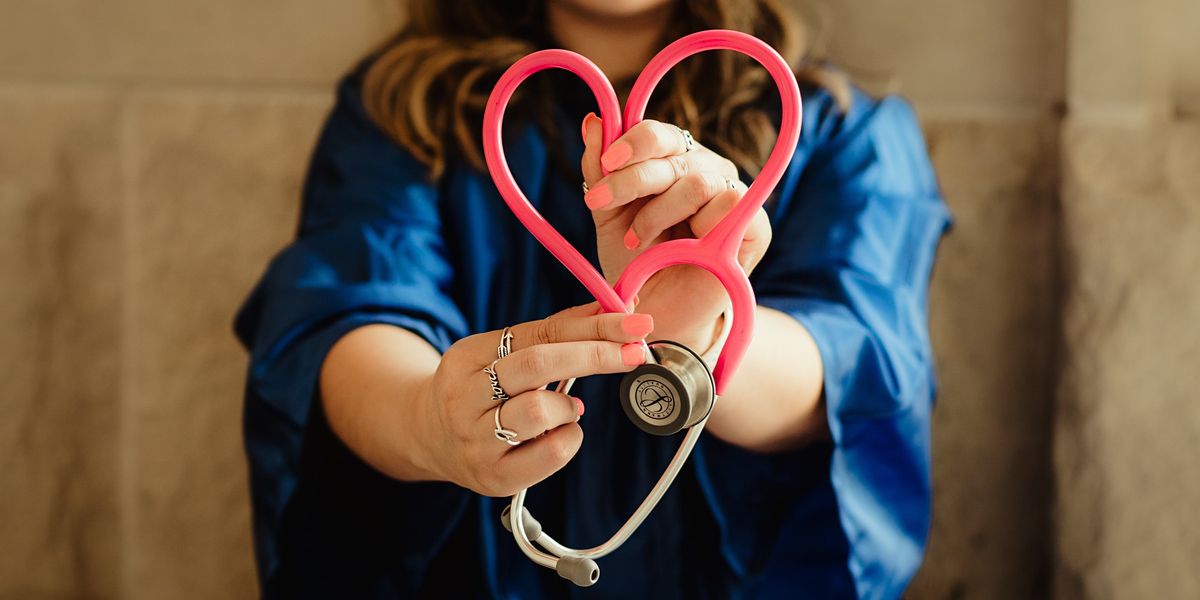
507,436
585,187
689,143
497,392
505,347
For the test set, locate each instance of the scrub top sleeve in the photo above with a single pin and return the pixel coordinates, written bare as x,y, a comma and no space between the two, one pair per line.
856,228
369,250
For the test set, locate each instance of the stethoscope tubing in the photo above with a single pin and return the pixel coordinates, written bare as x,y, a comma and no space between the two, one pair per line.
556,550
716,252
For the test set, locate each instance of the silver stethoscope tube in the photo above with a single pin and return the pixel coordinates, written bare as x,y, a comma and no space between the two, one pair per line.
556,550
551,551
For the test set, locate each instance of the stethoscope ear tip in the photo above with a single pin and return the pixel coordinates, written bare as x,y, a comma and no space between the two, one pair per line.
579,570
533,529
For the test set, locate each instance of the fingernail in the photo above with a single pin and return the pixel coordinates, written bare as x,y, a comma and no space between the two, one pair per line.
636,299
586,121
637,325
598,197
616,156
632,354
631,239
579,408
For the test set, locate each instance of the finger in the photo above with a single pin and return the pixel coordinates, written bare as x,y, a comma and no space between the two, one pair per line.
758,234
679,203
583,310
648,139
531,462
592,136
756,241
533,413
614,327
652,177
712,213
484,347
535,366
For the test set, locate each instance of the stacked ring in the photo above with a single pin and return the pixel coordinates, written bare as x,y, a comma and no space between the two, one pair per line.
497,392
507,436
689,143
505,347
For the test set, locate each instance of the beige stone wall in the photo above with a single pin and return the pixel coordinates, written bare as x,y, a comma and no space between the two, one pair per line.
1127,426
150,161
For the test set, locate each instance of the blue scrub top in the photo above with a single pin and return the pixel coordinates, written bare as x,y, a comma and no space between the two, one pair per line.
856,221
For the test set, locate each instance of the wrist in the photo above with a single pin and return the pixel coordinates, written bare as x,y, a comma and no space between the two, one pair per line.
698,332
688,305
416,445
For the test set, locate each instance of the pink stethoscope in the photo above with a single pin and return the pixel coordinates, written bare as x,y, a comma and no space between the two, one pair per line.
675,390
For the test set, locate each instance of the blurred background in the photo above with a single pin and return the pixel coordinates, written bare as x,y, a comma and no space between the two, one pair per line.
151,155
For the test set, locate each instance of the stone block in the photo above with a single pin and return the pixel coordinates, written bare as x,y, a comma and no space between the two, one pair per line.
949,55
303,42
1128,421
1119,55
1184,20
994,322
60,278
217,191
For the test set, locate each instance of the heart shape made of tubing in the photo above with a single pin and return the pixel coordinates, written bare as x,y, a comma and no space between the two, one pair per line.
716,252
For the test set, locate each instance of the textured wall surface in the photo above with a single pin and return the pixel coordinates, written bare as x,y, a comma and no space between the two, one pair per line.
1127,428
60,255
995,338
1184,48
966,59
150,163
132,223
295,43
194,251
1129,417
151,156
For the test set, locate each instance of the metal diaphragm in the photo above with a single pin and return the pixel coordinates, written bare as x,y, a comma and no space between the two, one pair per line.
673,393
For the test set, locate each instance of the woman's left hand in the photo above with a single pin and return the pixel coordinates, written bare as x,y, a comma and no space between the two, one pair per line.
658,189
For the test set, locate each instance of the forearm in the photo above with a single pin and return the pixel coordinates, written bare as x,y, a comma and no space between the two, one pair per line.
372,386
773,402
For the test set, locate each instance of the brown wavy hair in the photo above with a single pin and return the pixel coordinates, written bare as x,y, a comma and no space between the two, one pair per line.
427,86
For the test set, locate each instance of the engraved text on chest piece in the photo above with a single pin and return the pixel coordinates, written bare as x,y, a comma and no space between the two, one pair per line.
655,398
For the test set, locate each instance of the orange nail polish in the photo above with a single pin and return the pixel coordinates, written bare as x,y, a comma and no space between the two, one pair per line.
638,325
598,197
631,240
579,408
616,156
633,354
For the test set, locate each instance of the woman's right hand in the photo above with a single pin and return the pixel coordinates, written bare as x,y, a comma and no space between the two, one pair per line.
458,443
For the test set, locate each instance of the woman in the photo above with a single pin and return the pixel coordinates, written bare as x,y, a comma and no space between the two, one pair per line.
369,419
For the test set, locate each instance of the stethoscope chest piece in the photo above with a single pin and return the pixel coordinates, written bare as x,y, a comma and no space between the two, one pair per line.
670,394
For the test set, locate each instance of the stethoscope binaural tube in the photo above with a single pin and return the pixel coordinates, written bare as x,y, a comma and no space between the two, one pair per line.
579,566
716,253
